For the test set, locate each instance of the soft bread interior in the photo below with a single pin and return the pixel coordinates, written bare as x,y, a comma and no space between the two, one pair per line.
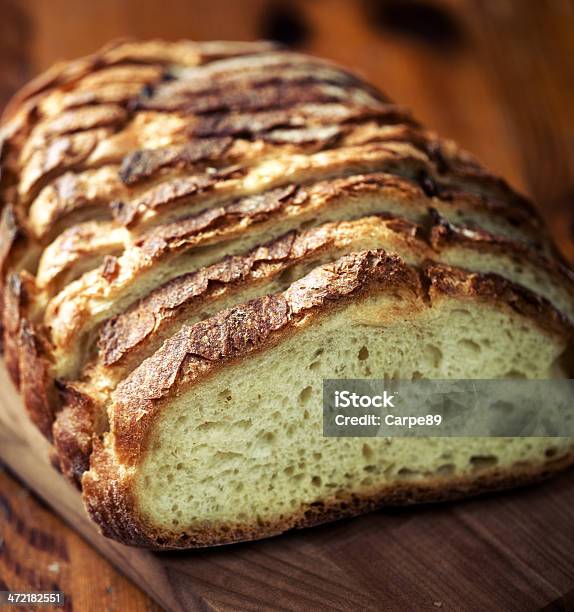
246,446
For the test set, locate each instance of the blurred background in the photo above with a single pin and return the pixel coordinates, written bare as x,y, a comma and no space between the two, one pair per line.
495,75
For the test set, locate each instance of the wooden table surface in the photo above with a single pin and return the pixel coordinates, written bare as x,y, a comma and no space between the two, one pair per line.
497,76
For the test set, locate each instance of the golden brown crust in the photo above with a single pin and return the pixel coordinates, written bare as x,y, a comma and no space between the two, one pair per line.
73,121
84,124
130,53
444,280
17,293
72,152
263,78
37,386
142,164
71,308
78,249
79,421
108,497
447,235
63,153
260,94
12,253
12,235
274,125
89,192
73,198
124,332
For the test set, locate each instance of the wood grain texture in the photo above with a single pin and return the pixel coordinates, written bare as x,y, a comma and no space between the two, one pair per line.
39,552
497,76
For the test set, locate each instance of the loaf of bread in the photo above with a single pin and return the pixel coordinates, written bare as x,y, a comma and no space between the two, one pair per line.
195,235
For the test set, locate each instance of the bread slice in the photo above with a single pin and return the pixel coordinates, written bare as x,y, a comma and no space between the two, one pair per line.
218,436
498,217
166,252
165,149
85,243
173,199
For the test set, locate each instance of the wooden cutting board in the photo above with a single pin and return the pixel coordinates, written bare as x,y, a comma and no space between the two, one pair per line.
511,551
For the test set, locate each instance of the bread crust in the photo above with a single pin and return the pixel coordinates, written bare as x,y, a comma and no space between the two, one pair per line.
79,423
125,52
12,235
70,152
77,250
444,235
73,198
124,332
17,294
68,311
12,246
37,386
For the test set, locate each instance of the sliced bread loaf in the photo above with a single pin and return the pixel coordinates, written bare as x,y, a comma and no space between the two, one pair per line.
194,235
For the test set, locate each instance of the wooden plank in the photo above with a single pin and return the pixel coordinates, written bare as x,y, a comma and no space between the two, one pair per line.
39,552
513,551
